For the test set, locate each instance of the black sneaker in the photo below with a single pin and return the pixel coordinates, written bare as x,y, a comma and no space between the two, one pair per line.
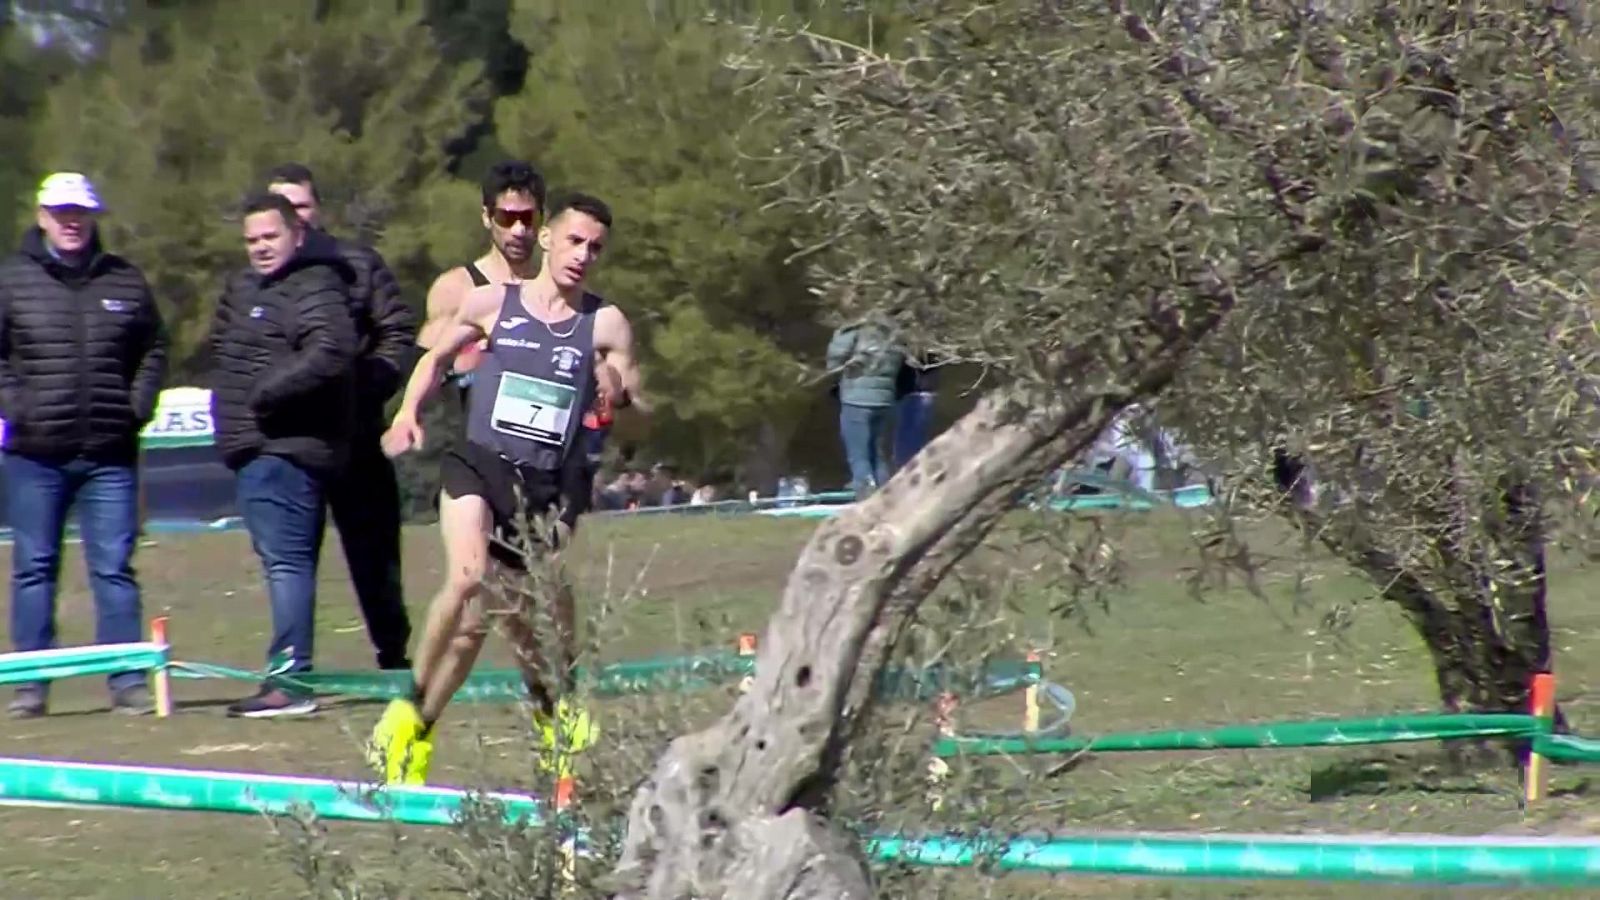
270,702
133,700
393,661
29,703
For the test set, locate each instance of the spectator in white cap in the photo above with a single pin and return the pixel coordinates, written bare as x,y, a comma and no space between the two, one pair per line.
82,358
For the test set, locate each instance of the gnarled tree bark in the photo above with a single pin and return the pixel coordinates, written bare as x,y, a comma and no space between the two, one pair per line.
737,810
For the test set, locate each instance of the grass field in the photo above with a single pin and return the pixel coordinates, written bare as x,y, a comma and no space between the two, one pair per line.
1158,658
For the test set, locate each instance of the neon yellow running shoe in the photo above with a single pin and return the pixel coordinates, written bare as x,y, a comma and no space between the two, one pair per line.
397,751
574,726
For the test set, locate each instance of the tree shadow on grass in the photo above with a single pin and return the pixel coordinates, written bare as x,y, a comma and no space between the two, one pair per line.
1436,772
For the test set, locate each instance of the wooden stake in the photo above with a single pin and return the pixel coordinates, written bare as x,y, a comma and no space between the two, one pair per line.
566,796
944,720
160,682
1030,701
747,647
1541,703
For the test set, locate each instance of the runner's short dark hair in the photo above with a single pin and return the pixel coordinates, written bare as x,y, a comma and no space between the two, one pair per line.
593,207
513,175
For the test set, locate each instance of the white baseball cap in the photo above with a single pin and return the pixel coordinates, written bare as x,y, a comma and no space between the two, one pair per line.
68,189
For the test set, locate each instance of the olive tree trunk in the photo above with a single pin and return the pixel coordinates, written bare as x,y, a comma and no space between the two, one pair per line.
739,810
1481,611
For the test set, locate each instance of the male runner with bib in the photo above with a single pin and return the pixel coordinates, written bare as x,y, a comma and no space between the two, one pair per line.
513,204
553,351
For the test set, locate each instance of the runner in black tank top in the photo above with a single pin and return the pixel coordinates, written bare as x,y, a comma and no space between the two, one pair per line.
554,349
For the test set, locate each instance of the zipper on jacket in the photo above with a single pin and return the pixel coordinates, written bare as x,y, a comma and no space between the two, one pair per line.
84,406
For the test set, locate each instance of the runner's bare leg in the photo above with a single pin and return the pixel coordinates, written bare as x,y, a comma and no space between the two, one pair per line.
454,631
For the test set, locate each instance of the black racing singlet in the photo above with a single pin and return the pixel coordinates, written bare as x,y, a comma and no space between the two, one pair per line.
534,384
463,380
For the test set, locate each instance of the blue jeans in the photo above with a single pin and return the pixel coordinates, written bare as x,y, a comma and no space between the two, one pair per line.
913,415
282,507
862,428
39,493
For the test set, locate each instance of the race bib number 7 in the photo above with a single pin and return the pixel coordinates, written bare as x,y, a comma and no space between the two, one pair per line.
533,408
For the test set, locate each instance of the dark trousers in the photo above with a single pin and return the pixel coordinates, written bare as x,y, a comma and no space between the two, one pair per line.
365,503
913,418
282,507
39,493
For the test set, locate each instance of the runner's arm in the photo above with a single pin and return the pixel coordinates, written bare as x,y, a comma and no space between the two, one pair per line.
444,301
471,323
613,340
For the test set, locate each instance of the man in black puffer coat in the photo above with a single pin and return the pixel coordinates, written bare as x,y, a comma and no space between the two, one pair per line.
365,500
284,346
82,357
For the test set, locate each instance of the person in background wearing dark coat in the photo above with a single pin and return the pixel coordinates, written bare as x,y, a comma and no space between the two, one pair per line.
915,387
82,357
365,499
284,346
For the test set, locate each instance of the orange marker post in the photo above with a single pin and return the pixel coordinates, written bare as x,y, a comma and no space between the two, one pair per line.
1030,700
1541,703
160,683
944,722
566,797
746,647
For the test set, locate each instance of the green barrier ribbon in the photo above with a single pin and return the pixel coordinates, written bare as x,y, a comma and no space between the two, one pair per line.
1487,860
73,662
1327,733
1567,748
667,673
95,784
1484,861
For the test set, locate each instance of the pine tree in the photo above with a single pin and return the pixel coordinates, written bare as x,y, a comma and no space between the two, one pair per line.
184,116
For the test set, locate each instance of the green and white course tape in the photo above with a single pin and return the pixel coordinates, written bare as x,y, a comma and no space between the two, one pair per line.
1493,861
1326,733
81,784
643,676
1407,859
75,662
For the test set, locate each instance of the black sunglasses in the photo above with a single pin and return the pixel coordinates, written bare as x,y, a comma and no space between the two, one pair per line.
506,218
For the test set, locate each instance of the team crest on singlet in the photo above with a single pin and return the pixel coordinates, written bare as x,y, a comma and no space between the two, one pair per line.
566,360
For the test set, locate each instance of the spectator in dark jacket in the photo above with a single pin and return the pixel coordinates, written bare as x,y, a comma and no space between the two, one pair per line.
365,499
283,344
82,357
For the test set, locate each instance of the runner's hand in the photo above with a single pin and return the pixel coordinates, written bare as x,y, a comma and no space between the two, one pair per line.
610,382
403,435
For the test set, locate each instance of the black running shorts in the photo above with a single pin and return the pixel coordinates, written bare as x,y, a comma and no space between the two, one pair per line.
517,496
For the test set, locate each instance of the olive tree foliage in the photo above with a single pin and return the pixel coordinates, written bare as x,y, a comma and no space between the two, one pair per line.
1078,197
1075,196
1419,398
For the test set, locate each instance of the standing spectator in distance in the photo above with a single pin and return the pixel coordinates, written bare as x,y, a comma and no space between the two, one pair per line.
867,360
365,498
284,346
82,357
915,387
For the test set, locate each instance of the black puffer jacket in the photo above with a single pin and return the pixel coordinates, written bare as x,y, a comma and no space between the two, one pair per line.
283,350
82,354
386,328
